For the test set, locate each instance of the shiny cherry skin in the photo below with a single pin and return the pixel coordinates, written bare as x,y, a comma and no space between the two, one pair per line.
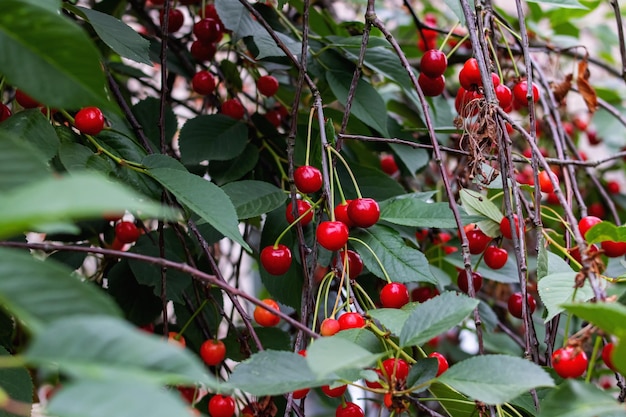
334,392
504,96
332,235
469,76
25,100
431,86
127,232
202,52
505,226
354,263
350,409
267,85
569,362
607,356
520,90
221,406
276,259
308,179
329,327
175,20
233,108
388,164
587,223
203,83
341,213
544,181
495,257
351,320
394,295
212,352
364,212
442,362
476,239
302,206
423,294
515,304
5,112
208,30
613,249
264,317
395,368
433,63
89,120
477,281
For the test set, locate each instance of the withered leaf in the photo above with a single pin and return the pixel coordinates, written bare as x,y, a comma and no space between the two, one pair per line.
561,89
586,90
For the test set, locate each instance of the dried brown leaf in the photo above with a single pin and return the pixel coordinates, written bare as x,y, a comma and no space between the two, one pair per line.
584,88
561,89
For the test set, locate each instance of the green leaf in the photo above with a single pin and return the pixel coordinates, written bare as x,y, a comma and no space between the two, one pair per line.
372,182
421,372
213,137
367,106
20,162
558,289
103,399
455,404
477,204
507,274
610,317
49,57
605,231
204,198
223,172
273,373
495,379
575,398
436,316
402,263
147,112
413,212
41,292
120,37
70,198
16,382
103,348
393,318
563,4
253,198
364,338
328,355
33,127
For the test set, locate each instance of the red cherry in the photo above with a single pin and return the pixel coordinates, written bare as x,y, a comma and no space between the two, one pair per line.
461,281
442,362
233,108
569,362
504,96
274,117
355,263
587,223
177,339
607,356
189,394
334,392
581,123
203,82
395,369
5,112
476,239
208,30
505,226
349,410
433,63
495,79
469,76
351,320
611,186
613,249
593,138
221,406
308,179
126,232
25,100
202,52
423,294
388,164
329,327
515,304
432,87
545,183
495,257
575,252
212,352
175,20
276,259
364,212
596,209
341,213
394,295
302,206
332,235
89,120
375,384
264,317
466,102
520,91
267,85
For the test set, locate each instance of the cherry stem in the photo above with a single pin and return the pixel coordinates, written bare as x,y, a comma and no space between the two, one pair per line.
592,361
277,159
193,316
339,187
493,51
365,294
291,225
308,136
448,35
457,46
394,345
203,13
324,288
380,264
345,163
508,47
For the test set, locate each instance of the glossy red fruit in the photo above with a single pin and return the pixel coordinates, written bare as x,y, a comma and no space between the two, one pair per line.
375,384
476,239
175,20
423,294
607,356
477,281
613,249
505,226
5,112
308,179
569,362
233,108
520,91
221,406
545,184
466,102
264,317
441,361
276,260
495,257
354,265
89,120
332,235
302,206
203,83
25,100
351,320
203,52
515,304
433,63
274,117
208,30
395,369
394,295
575,252
329,327
364,212
212,352
127,232
587,223
177,339
341,213
334,392
388,165
267,85
612,187
504,96
349,410
469,76
432,87
596,209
